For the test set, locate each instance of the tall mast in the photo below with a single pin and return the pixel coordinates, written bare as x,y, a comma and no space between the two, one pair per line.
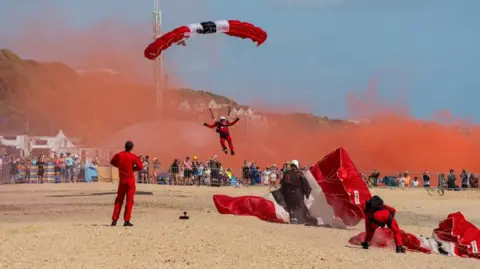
158,63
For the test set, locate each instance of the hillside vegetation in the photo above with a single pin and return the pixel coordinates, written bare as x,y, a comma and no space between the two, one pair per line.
53,96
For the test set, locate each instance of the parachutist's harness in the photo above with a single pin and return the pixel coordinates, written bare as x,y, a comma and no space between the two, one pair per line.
222,133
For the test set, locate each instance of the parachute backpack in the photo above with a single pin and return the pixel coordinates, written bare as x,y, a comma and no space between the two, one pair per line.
374,204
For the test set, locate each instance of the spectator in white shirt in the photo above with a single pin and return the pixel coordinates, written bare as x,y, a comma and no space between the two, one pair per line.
415,182
266,175
187,171
272,180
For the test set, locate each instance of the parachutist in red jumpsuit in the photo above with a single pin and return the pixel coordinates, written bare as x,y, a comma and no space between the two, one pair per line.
378,214
222,128
127,163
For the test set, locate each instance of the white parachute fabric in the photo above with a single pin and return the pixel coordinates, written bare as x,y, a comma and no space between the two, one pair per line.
318,206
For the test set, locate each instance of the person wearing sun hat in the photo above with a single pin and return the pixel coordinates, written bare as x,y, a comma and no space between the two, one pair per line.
196,171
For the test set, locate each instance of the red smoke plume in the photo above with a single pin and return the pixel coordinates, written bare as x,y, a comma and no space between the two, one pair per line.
392,142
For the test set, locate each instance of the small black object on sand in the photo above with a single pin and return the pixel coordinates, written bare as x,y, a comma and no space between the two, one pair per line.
184,216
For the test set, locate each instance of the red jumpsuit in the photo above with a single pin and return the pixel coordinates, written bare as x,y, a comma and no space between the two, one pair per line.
384,216
127,163
222,129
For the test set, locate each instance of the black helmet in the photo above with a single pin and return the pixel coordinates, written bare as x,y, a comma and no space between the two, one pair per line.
373,204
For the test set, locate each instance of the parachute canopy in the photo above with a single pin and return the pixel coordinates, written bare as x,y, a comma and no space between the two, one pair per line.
455,236
343,186
337,199
179,35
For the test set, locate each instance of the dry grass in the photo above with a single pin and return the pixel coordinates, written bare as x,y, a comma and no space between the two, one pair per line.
65,226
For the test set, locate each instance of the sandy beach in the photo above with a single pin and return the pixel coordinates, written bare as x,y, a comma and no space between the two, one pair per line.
67,226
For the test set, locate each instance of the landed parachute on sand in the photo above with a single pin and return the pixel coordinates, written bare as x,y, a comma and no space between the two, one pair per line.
455,236
179,35
337,199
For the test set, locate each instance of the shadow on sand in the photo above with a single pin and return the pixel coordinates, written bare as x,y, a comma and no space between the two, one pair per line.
96,194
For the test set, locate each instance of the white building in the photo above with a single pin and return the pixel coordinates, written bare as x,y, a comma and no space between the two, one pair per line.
184,106
249,112
213,105
242,112
28,143
200,106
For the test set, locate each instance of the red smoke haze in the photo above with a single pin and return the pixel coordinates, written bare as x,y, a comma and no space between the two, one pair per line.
392,142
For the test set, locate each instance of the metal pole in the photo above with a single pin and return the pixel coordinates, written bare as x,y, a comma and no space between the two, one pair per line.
27,113
158,63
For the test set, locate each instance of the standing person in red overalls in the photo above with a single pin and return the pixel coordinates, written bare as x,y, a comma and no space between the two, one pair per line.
127,163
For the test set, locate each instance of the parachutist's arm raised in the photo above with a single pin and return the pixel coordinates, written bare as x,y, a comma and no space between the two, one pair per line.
211,126
233,122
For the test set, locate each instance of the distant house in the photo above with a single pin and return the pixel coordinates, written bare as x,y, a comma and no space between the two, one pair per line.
223,105
240,112
249,112
184,106
213,105
200,106
28,143
233,113
243,112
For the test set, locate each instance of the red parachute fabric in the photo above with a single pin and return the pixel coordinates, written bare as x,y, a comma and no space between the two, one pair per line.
345,190
247,206
455,236
383,238
337,200
165,41
236,28
457,230
247,30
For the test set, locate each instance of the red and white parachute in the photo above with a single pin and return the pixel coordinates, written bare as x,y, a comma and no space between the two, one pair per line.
455,236
179,35
337,199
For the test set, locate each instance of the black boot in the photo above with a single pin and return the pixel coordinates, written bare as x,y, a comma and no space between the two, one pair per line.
225,150
400,249
232,152
114,223
127,224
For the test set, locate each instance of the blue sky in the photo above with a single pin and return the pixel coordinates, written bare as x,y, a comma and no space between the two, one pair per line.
423,52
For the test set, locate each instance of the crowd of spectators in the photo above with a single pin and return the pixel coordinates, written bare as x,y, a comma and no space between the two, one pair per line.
59,168
191,171
443,180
